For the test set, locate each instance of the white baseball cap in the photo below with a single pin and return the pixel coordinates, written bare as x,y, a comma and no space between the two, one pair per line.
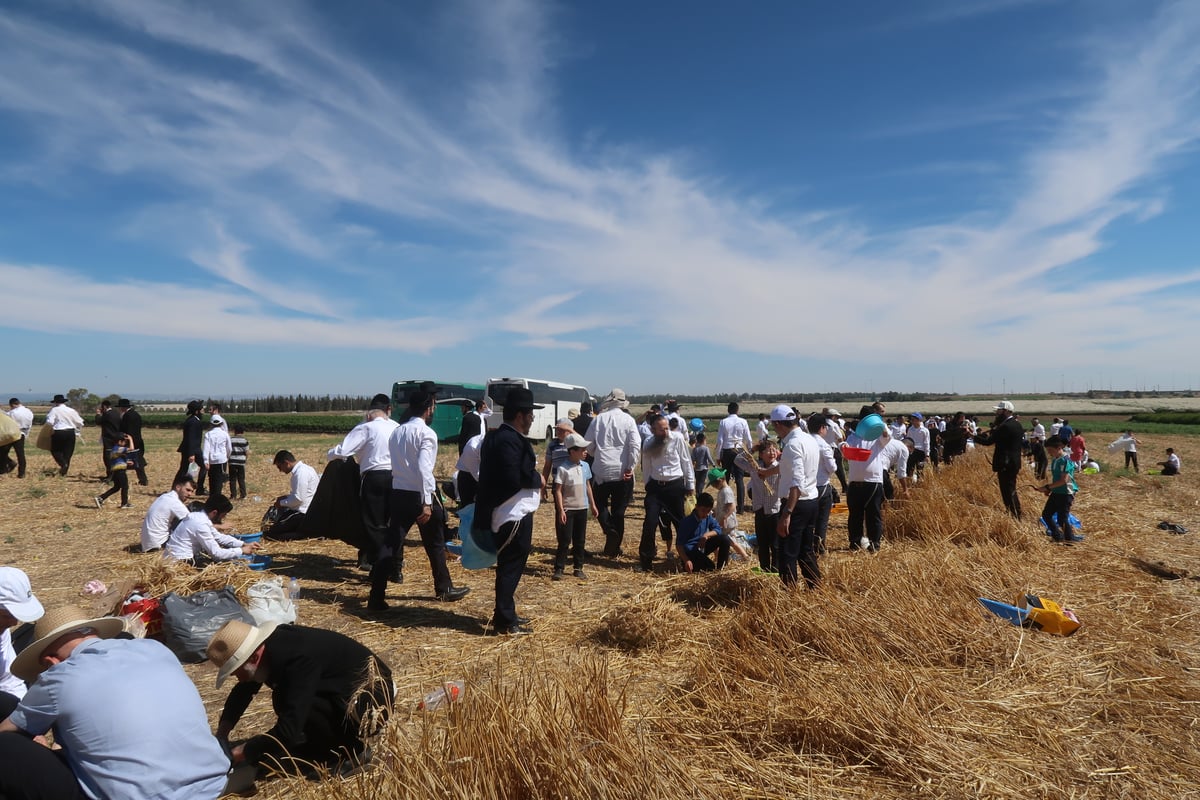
1004,405
782,413
16,596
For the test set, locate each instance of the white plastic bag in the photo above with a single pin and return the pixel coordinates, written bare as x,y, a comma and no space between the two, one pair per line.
269,602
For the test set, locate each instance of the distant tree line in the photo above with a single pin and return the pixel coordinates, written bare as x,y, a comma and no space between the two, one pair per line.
288,403
792,397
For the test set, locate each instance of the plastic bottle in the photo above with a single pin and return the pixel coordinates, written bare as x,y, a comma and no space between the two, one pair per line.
294,589
445,694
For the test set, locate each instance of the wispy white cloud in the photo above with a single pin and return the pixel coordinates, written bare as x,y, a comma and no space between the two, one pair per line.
284,140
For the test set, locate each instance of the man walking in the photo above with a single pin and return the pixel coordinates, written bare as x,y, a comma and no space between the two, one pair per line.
508,494
217,450
615,447
733,436
131,424
412,449
367,444
1006,435
108,420
191,449
24,419
66,425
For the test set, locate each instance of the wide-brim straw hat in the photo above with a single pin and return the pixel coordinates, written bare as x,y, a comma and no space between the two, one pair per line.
235,642
53,624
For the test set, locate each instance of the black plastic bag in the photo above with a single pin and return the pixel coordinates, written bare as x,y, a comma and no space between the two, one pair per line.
190,622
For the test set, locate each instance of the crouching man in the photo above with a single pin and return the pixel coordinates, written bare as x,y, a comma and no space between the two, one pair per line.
327,691
130,721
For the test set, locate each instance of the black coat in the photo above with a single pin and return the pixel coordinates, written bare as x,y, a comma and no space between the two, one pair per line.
131,423
1008,438
507,464
193,438
472,425
110,427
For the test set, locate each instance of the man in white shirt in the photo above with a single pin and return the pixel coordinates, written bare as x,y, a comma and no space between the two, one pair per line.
920,438
217,450
197,538
24,419
167,510
827,465
615,446
835,434
17,605
733,436
764,428
412,448
866,463
367,444
466,471
667,470
799,464
294,505
66,424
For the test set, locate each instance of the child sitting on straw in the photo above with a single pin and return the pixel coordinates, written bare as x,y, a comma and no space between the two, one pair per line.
700,535
1060,493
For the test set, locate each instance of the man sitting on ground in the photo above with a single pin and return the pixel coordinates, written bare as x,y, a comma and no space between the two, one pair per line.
130,721
196,538
167,511
293,505
323,685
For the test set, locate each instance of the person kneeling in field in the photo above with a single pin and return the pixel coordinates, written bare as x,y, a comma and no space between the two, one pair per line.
323,686
1171,465
699,535
1060,493
196,538
167,511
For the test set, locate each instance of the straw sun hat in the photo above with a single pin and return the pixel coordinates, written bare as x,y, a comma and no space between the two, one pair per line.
235,642
27,665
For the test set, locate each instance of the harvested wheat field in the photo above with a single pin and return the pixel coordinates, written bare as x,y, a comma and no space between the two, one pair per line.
889,681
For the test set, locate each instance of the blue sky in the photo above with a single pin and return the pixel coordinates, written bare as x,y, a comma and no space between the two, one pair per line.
239,198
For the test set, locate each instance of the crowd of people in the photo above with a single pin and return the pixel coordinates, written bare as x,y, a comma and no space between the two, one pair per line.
786,473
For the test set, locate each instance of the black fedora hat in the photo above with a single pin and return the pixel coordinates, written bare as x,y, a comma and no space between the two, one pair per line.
520,399
58,398
124,403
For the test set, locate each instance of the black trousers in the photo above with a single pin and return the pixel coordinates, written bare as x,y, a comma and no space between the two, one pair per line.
1007,478
768,540
120,481
62,448
375,493
799,547
216,478
613,499
916,461
572,536
824,507
29,770
864,506
467,487
1039,460
1057,514
663,500
237,480
17,447
404,507
1130,458
699,556
288,527
515,540
730,465
183,468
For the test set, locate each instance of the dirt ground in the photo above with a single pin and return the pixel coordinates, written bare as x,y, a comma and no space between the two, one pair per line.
50,527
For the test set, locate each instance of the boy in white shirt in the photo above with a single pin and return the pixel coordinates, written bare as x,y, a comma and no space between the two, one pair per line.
572,501
197,538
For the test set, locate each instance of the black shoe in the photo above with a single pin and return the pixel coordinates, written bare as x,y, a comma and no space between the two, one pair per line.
557,576
377,605
579,574
364,564
397,576
643,568
511,630
491,623
454,593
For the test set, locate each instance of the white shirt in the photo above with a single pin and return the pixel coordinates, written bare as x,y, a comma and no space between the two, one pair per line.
613,440
834,432
1173,460
217,448
368,443
644,430
196,536
166,510
1128,442
1039,431
733,434
304,480
8,682
898,429
763,430
798,465
1054,429
920,436
64,418
764,492
827,463
673,461
871,470
23,417
413,448
895,454
468,460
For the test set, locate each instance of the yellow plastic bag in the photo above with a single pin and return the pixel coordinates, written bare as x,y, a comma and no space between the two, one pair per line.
1046,615
689,504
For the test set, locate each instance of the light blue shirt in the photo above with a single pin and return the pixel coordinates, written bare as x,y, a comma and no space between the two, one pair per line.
131,722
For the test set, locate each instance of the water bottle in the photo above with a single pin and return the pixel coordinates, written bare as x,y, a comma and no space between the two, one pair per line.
445,694
294,589
257,499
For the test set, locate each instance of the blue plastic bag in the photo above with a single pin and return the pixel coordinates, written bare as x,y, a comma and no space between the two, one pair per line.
476,553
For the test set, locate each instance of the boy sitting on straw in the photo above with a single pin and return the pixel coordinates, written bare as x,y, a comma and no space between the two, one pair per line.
1060,493
700,535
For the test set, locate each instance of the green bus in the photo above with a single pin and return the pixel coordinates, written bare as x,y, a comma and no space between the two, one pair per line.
451,397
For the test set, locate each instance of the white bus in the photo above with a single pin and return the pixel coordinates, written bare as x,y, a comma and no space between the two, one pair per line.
558,399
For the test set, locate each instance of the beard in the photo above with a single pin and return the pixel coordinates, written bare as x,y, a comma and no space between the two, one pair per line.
658,446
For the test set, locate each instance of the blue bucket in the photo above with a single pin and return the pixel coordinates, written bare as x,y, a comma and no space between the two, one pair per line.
249,538
257,562
696,424
475,555
454,547
870,427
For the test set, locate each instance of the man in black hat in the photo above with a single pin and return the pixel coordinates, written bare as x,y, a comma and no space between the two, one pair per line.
131,424
191,449
1006,434
509,493
472,422
65,423
108,419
